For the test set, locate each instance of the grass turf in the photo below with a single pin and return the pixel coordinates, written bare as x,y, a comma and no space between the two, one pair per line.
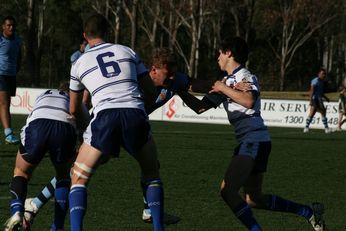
302,167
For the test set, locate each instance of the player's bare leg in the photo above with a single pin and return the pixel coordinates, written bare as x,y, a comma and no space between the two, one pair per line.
84,166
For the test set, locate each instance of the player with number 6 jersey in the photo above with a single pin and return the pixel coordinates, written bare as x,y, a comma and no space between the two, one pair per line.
111,73
119,67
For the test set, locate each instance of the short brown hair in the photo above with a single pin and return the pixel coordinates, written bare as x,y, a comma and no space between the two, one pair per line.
163,56
96,26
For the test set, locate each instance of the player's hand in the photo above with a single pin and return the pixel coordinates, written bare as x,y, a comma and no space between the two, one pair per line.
218,87
243,86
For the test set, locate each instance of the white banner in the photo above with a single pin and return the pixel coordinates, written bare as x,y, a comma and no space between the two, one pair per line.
24,100
279,113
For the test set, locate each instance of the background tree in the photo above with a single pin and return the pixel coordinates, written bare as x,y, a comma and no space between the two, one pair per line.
289,24
288,39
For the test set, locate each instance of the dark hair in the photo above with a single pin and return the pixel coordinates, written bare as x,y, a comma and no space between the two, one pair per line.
96,26
163,56
64,86
9,17
237,46
322,69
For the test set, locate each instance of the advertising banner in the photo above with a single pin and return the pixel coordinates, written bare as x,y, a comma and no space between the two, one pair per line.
275,112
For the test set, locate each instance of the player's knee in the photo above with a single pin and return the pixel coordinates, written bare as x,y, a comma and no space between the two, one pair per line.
81,173
251,200
22,172
227,192
256,200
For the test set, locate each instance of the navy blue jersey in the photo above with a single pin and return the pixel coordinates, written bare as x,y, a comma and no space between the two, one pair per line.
180,82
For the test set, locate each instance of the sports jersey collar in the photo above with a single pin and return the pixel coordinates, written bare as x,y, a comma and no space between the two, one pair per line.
237,69
98,44
234,72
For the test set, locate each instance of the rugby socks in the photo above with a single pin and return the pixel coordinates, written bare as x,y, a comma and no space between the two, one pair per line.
61,203
155,203
325,122
18,190
8,131
78,204
46,194
276,203
244,214
144,188
308,121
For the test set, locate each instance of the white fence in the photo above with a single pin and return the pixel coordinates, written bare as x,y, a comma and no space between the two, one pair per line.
279,113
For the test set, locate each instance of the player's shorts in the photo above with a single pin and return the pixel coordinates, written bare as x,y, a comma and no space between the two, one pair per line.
111,129
45,135
259,151
318,103
9,84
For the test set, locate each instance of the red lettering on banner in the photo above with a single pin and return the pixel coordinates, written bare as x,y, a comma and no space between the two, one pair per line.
171,110
22,101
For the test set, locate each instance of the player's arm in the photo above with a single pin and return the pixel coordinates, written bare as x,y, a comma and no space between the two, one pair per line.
77,111
148,89
311,91
244,98
200,86
197,105
19,59
87,99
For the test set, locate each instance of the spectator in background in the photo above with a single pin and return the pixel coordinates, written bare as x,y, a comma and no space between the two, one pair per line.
316,95
83,44
342,107
10,58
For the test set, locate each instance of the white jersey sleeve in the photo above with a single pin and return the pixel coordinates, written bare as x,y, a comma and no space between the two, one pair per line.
109,72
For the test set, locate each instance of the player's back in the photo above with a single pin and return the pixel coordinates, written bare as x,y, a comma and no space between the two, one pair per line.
52,104
109,72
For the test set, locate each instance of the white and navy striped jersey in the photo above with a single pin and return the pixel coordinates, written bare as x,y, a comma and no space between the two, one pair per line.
109,72
52,104
248,123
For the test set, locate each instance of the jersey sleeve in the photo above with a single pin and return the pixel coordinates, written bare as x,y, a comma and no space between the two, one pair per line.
182,81
140,68
214,99
75,83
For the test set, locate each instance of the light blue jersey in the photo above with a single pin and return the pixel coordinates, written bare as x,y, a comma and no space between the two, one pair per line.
9,51
318,85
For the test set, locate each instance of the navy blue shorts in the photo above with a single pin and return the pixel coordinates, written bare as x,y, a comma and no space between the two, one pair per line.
318,104
259,151
9,84
44,135
111,129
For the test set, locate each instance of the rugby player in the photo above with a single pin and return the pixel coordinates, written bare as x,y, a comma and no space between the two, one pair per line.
316,95
48,129
110,72
249,162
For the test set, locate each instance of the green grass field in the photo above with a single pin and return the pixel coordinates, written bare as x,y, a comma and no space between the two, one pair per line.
303,167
